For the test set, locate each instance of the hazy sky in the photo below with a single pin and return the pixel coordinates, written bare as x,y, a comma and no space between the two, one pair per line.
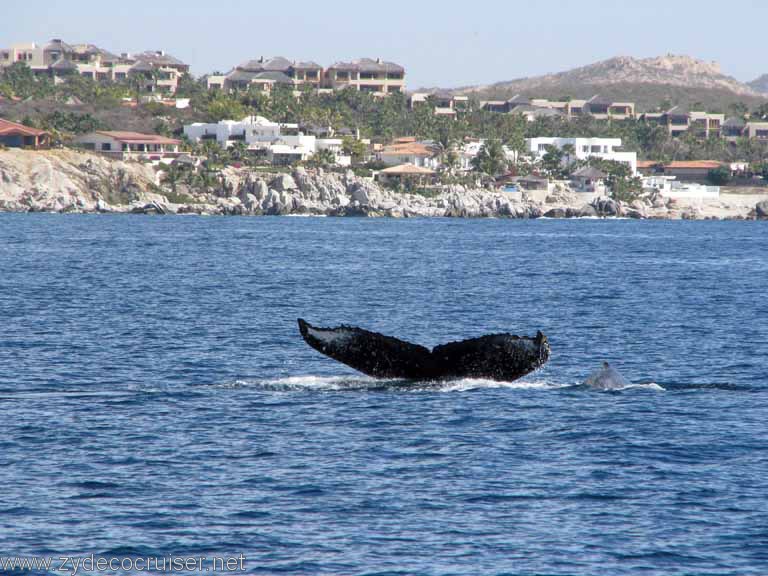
443,43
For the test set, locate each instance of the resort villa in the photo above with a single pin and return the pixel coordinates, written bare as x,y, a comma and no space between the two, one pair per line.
263,74
409,151
365,75
445,103
597,107
677,120
277,143
130,145
154,70
13,135
583,148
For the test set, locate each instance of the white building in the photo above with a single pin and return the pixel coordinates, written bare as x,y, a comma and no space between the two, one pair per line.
278,143
251,130
130,145
669,187
471,149
604,148
408,151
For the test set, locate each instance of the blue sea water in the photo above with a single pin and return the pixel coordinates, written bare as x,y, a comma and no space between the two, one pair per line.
156,398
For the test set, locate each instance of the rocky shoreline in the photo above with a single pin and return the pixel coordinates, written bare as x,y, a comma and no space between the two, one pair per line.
67,181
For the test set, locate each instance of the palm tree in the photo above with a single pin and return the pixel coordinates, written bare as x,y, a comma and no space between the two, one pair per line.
568,151
491,159
323,157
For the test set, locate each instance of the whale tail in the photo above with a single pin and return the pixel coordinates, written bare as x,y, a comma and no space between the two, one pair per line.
501,357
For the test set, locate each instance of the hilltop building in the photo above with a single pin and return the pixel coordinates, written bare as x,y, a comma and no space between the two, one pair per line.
365,75
678,120
155,70
597,107
264,74
445,103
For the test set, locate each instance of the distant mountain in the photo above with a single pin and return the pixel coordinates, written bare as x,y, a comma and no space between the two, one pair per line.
648,82
760,84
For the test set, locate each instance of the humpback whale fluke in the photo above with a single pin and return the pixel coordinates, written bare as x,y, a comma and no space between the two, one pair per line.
502,357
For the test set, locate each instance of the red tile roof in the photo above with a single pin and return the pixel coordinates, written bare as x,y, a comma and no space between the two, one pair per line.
694,164
681,164
408,149
8,127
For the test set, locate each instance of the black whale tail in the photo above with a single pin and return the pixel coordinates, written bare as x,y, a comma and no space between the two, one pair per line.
498,356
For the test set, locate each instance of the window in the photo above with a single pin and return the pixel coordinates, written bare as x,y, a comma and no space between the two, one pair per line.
106,147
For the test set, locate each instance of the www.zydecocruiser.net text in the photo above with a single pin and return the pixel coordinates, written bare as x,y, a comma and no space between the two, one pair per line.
74,565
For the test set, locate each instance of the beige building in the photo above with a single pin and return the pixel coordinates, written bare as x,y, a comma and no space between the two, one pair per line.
597,107
264,74
757,130
679,121
59,60
130,145
445,103
367,75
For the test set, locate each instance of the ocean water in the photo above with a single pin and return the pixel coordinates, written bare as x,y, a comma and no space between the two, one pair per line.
157,400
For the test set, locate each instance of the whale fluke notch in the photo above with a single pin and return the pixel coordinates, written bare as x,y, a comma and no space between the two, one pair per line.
502,357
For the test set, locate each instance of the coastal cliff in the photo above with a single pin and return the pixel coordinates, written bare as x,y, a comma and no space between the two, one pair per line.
71,181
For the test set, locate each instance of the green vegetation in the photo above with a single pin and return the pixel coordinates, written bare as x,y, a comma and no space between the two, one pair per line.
491,159
719,176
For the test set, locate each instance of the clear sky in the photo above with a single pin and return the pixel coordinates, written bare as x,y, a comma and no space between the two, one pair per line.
441,43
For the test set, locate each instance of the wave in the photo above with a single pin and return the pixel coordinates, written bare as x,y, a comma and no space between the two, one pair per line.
366,384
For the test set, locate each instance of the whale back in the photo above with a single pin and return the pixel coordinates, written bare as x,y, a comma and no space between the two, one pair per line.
607,378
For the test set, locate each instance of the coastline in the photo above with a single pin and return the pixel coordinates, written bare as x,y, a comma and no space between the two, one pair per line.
67,181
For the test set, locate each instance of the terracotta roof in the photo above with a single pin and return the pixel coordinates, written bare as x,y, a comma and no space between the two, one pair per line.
694,164
648,163
137,137
8,127
408,169
408,149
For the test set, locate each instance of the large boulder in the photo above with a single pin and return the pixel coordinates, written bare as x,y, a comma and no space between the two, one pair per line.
283,183
606,206
761,210
555,213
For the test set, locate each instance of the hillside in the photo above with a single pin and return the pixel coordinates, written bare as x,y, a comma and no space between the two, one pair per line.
648,82
760,84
